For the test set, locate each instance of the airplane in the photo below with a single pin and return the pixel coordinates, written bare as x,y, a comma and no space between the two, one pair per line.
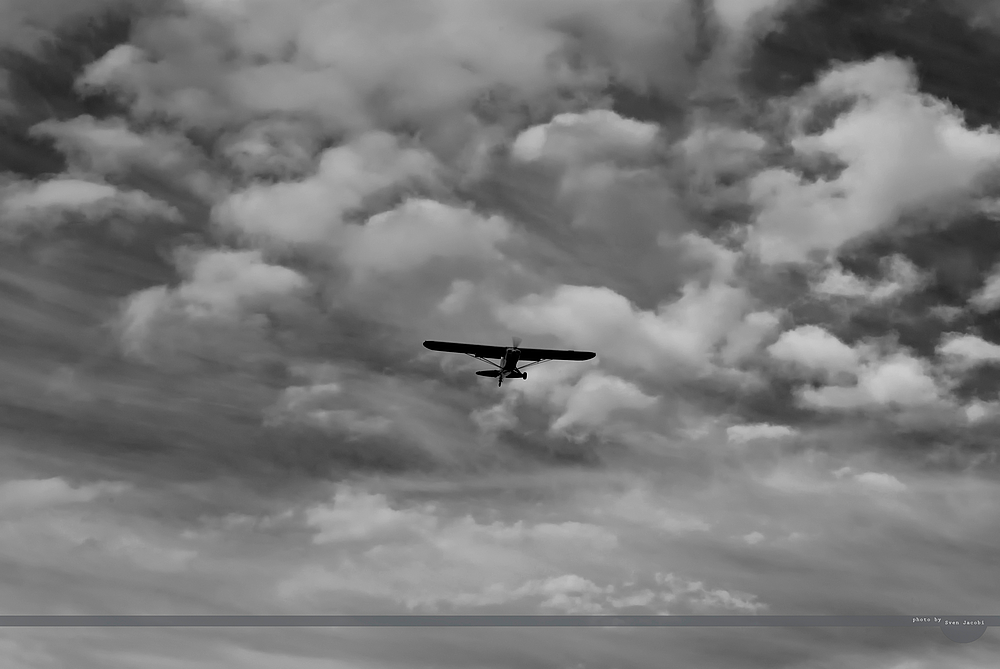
509,356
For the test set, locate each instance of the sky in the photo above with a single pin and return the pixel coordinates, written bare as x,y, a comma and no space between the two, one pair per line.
226,226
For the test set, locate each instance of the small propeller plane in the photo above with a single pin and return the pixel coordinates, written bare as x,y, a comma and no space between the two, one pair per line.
509,357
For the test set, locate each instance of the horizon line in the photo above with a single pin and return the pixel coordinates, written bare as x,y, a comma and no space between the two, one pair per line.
493,620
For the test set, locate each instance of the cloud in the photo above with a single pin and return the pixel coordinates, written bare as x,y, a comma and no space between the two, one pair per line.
312,211
594,136
713,165
857,377
357,515
887,172
968,350
814,348
704,599
29,494
111,149
64,193
46,519
282,149
880,481
426,559
897,380
978,411
744,340
220,302
459,296
715,151
651,511
354,418
420,558
595,397
61,201
421,231
299,56
901,278
28,26
567,593
324,406
873,481
597,154
987,298
739,15
743,433
679,335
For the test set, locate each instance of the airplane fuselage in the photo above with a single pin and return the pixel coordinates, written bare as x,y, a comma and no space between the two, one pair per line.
510,360
508,366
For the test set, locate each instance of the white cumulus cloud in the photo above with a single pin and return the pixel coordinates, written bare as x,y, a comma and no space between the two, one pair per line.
902,150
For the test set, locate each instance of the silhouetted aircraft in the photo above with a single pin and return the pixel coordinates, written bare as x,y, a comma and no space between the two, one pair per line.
509,357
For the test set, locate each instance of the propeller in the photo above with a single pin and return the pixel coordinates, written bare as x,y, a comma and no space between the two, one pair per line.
517,341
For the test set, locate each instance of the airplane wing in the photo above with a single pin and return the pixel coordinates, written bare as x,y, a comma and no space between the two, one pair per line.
478,350
539,354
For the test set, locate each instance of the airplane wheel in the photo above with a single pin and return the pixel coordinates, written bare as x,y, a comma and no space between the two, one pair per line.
525,377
